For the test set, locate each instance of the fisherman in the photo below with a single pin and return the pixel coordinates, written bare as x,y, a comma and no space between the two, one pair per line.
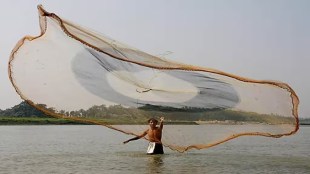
154,133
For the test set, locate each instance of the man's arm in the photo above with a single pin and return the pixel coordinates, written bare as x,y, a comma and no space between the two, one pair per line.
161,123
137,137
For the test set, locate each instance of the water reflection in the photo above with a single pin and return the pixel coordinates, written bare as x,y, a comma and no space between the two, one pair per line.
155,163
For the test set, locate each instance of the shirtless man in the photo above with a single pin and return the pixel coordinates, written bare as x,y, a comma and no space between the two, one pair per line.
154,133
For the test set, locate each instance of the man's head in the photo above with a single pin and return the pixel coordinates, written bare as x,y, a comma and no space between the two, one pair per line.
152,122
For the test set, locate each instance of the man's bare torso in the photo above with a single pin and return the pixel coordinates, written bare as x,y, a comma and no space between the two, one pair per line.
154,134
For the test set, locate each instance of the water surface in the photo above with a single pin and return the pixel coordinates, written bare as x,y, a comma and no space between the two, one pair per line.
96,149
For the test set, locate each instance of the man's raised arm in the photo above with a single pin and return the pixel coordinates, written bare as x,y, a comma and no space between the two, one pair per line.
161,123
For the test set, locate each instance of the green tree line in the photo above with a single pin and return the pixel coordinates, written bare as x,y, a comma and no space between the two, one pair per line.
118,114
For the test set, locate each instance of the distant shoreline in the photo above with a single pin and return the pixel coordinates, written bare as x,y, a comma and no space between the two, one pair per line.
61,121
37,121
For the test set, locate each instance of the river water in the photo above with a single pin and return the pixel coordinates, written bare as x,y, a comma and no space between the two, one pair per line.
96,149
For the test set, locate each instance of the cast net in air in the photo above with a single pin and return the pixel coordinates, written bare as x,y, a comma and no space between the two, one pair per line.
72,72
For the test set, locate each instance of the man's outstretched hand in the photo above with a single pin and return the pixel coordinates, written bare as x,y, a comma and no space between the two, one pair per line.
162,119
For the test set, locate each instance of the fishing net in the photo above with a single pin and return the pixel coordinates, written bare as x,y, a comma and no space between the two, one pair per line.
72,72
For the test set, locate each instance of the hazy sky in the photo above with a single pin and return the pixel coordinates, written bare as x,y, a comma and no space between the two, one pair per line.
262,39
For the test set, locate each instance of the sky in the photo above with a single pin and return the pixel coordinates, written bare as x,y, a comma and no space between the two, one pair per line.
261,39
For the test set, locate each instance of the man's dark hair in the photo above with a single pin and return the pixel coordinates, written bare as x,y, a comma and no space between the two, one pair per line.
152,119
